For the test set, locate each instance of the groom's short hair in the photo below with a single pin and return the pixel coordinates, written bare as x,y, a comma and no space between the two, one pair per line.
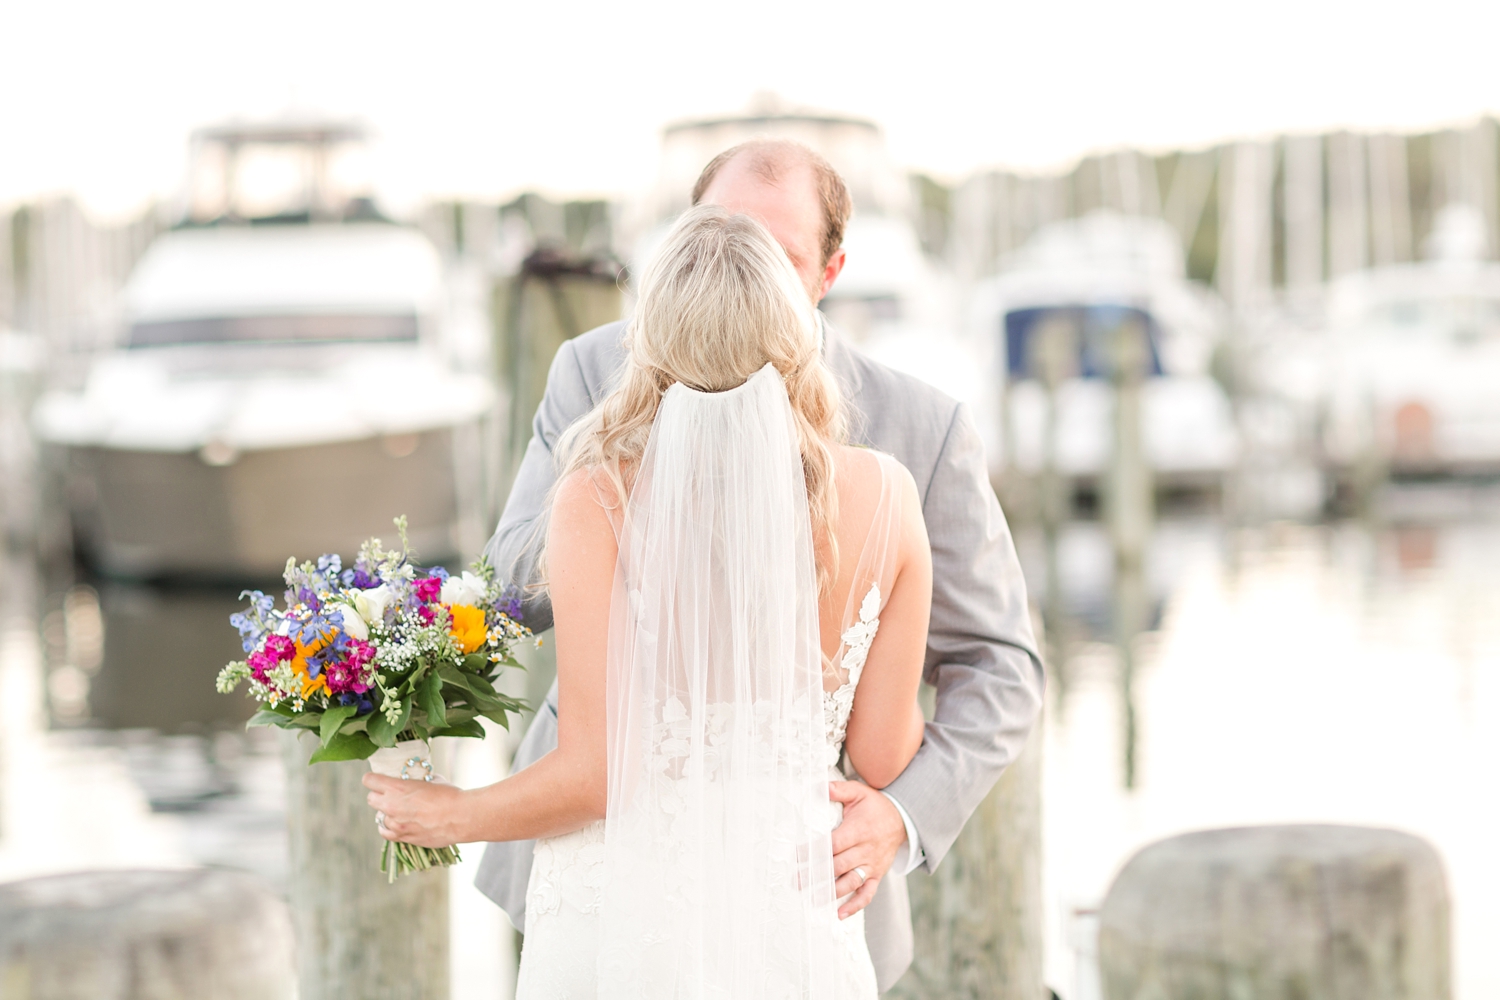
769,157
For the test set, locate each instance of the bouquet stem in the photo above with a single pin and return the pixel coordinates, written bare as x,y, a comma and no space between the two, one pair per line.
409,760
397,858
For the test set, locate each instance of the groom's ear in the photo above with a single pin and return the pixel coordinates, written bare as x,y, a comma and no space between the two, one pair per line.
831,271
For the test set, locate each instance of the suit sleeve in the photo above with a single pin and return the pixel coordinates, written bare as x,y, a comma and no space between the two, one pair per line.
981,654
516,544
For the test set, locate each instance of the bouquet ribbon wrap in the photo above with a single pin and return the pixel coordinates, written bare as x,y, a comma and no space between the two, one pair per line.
409,760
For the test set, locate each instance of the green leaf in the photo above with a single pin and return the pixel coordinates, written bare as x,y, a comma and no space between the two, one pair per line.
432,701
470,728
455,677
475,663
354,746
306,720
332,720
481,685
267,717
498,716
355,725
413,683
384,733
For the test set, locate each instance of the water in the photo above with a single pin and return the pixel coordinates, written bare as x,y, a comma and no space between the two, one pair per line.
1347,673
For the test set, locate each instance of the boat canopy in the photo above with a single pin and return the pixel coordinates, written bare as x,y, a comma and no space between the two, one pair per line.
259,284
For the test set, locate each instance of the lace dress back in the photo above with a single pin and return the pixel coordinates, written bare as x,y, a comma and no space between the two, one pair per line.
561,956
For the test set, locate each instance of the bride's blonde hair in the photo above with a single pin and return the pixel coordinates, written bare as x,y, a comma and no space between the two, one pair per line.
718,301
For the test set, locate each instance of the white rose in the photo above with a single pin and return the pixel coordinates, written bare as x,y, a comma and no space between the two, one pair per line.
354,625
371,604
466,589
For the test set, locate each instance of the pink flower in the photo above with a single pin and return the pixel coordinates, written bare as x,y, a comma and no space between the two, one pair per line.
281,647
428,589
352,674
426,613
259,663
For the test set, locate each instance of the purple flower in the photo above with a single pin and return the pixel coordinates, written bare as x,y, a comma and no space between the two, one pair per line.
509,604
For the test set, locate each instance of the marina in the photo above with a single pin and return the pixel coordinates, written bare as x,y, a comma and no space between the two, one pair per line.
1241,413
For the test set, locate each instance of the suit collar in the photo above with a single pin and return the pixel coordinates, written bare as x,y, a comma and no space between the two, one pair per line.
840,357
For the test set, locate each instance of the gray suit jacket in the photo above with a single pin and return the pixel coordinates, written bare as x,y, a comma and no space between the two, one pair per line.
981,655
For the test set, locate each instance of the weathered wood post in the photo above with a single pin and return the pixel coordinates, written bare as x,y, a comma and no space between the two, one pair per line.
357,936
555,297
1278,913
1129,498
145,935
1057,346
978,919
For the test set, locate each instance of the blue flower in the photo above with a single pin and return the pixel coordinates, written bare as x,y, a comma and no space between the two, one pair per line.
251,622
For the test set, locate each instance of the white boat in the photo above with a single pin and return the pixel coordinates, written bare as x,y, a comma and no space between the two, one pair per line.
1092,274
1414,360
278,390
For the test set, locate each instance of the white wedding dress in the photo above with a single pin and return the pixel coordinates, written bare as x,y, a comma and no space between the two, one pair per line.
712,875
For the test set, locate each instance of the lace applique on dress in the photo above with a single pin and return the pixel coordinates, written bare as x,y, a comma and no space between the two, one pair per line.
569,869
838,703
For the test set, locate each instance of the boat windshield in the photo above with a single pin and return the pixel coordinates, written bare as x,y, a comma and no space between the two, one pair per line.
288,329
1463,317
1088,333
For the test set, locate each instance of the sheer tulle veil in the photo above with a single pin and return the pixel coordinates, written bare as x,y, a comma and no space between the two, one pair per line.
718,874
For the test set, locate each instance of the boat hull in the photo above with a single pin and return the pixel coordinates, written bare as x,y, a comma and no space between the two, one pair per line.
142,514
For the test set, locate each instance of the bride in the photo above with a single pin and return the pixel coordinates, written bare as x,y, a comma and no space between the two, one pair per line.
741,606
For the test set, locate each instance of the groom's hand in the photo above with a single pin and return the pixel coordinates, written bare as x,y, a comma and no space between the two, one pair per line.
868,839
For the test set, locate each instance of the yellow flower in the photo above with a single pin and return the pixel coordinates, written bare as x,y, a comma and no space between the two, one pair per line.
467,627
299,665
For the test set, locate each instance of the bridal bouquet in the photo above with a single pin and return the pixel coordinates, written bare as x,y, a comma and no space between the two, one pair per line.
378,659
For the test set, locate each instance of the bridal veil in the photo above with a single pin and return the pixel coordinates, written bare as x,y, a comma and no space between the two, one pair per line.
718,864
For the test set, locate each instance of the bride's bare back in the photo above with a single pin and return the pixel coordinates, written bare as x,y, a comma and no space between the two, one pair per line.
885,725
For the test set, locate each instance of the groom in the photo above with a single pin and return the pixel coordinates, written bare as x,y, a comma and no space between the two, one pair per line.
981,656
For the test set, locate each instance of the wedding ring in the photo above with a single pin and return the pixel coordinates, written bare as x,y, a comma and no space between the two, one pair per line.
860,871
380,820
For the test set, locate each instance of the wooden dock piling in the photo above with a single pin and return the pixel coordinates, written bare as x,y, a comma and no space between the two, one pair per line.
1279,913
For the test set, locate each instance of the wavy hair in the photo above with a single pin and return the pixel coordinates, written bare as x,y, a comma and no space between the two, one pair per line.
718,301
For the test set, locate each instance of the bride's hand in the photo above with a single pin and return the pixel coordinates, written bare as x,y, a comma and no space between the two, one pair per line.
867,838
423,813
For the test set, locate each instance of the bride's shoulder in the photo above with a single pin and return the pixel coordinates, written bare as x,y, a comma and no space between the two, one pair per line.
866,465
864,471
586,492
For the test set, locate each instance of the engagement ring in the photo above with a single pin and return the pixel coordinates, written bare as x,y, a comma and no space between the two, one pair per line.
380,820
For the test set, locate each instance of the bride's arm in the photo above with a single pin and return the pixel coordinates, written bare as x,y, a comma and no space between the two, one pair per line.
565,789
885,725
